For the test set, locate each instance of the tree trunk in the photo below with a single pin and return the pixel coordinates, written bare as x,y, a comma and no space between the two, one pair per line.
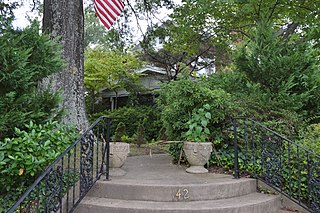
64,20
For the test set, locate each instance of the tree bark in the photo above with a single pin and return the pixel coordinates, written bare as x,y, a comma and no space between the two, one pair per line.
64,19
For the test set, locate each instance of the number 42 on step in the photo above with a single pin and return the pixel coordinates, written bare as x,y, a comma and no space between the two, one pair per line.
182,194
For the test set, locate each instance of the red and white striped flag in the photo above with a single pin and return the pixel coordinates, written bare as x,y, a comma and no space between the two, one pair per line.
108,11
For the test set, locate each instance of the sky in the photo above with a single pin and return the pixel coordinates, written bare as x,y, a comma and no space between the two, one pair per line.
24,12
21,15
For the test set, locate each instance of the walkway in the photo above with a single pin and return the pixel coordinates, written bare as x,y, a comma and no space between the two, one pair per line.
154,184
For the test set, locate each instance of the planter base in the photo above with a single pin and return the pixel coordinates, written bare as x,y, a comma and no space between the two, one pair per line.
117,172
197,170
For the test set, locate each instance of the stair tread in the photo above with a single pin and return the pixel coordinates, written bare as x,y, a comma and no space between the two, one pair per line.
151,184
251,199
163,191
222,180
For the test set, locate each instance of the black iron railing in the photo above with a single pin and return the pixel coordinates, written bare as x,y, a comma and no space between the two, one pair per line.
282,164
68,179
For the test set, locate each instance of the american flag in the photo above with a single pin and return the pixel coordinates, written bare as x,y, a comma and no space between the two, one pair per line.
108,11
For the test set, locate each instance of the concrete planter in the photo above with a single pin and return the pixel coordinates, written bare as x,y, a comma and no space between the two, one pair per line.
118,155
198,154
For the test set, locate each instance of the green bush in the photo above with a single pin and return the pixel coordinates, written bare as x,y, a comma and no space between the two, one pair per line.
256,103
174,151
132,116
25,58
119,132
24,157
310,138
8,200
286,71
179,99
140,135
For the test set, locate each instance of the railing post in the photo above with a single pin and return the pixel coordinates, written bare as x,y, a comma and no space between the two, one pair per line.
108,148
236,159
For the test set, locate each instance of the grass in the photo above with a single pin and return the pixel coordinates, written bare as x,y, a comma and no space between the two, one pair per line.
148,149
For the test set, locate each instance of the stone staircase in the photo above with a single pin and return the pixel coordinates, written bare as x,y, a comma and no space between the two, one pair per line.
154,184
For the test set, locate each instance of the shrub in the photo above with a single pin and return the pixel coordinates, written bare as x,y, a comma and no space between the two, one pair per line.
310,138
179,99
132,116
253,102
119,132
25,58
26,155
140,136
286,71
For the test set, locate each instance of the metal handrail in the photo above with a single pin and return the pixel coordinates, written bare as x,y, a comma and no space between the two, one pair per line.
66,181
282,164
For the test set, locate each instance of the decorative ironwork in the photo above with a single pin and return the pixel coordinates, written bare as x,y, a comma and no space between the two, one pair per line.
285,166
314,185
271,153
78,167
86,163
53,201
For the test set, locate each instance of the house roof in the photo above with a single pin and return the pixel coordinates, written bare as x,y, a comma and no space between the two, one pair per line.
151,69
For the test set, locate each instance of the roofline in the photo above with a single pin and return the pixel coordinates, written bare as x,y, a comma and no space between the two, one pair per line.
152,69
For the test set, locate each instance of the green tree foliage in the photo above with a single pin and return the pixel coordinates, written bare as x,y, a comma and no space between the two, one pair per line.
286,72
25,58
110,69
6,15
224,21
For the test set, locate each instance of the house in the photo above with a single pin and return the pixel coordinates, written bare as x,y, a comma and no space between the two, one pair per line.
151,77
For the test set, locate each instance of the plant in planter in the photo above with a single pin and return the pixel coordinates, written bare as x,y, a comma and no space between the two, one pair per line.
118,151
197,148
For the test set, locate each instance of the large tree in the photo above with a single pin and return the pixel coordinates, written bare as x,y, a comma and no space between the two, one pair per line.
224,21
64,20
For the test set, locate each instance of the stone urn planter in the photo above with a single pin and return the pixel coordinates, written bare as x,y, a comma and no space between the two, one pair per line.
197,154
118,155
197,148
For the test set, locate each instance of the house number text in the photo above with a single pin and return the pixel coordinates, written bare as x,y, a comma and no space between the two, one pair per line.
182,194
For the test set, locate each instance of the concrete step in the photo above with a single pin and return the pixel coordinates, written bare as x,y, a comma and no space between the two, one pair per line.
213,189
154,185
252,203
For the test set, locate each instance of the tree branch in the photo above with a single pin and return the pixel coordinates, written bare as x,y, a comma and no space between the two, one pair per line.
290,29
240,31
137,17
273,9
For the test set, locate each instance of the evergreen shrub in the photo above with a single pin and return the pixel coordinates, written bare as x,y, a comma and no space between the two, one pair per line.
25,58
